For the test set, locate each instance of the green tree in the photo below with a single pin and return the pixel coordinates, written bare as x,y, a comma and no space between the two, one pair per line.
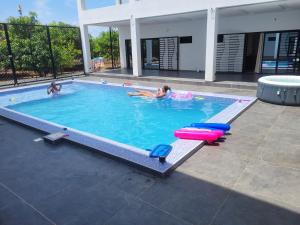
4,60
100,46
19,34
30,46
66,45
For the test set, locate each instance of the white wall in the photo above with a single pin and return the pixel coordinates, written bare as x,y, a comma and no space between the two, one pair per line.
274,21
153,8
191,56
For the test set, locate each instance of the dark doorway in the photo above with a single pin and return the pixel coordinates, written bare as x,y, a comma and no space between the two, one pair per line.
251,50
128,54
160,53
150,53
156,53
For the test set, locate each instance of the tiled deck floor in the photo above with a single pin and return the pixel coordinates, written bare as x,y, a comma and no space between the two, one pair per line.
240,77
253,178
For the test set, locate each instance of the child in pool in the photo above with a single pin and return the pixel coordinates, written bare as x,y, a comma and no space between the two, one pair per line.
53,88
160,93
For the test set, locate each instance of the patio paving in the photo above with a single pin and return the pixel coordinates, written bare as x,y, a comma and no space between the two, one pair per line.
220,76
181,77
253,178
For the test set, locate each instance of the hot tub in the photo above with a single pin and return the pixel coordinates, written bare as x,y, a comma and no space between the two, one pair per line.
283,90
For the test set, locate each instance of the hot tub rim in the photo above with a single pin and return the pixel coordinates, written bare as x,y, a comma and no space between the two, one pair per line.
264,80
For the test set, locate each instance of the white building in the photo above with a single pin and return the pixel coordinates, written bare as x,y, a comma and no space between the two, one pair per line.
255,36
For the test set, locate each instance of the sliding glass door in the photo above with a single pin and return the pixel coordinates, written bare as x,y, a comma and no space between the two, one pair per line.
150,53
270,53
128,54
160,53
281,53
288,53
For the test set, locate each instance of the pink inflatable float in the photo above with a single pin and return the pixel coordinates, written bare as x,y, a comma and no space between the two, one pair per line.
181,96
199,134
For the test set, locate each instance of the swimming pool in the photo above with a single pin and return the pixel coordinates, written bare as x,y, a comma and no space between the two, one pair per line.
106,118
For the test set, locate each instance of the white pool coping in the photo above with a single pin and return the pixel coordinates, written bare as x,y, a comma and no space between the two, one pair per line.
182,149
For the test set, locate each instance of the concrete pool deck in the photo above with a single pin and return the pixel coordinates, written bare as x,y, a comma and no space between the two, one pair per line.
251,178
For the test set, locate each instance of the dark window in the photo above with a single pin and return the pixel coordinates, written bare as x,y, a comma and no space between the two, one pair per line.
272,39
220,38
186,40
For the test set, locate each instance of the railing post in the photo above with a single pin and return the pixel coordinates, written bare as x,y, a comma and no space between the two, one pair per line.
51,52
10,55
111,48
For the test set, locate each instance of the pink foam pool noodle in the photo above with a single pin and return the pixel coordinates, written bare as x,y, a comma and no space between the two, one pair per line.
209,136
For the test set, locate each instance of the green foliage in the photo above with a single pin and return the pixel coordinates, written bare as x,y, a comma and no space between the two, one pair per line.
4,60
66,45
100,46
30,46
32,18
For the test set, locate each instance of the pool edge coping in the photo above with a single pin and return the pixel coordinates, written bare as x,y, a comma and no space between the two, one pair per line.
182,149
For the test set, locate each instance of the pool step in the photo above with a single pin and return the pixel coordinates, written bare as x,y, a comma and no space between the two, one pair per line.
55,137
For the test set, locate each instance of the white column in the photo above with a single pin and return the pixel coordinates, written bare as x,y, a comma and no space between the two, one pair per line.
211,44
80,5
85,47
84,38
136,46
122,49
118,2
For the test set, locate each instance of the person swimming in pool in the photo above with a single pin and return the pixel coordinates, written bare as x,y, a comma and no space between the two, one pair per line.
53,88
160,93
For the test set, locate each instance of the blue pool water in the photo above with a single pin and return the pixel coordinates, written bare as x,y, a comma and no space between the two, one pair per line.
108,111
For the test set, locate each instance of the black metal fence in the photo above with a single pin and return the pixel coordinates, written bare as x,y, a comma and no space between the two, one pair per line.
105,50
31,53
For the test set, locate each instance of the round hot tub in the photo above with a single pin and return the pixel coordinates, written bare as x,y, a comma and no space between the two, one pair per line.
283,90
